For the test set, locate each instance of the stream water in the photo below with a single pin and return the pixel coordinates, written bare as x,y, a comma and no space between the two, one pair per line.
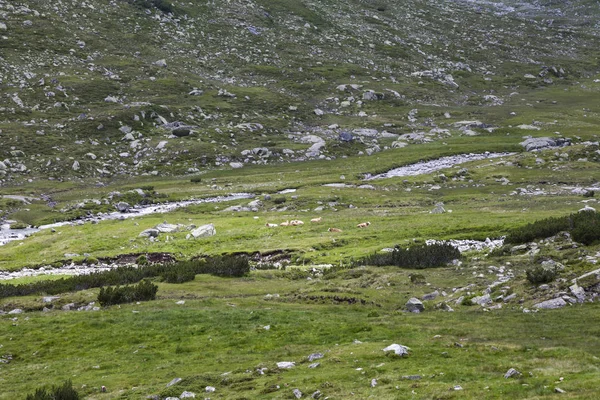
8,235
427,167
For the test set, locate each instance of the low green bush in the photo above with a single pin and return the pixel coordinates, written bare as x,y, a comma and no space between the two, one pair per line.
177,272
584,227
143,291
418,257
61,392
539,275
279,200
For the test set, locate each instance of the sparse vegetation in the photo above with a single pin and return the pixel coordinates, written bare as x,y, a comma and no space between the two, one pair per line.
60,392
417,257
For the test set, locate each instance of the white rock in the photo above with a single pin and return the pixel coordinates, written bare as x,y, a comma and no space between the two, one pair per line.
398,349
286,364
204,231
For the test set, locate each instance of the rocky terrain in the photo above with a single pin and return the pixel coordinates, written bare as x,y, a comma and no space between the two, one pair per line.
133,89
300,199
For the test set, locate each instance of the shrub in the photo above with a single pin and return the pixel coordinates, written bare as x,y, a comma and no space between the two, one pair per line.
145,290
279,200
419,257
589,193
142,260
539,275
227,266
163,5
178,272
196,179
584,227
417,279
62,392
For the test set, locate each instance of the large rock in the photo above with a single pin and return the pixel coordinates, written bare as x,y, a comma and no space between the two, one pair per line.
204,231
414,305
398,349
533,144
123,207
166,228
150,233
551,304
482,300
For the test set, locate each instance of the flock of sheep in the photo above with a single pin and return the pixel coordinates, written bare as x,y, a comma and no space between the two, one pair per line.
297,222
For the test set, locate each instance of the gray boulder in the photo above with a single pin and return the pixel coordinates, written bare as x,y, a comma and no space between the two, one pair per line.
123,207
167,228
150,233
578,292
204,231
482,300
15,311
533,144
431,296
512,373
414,305
551,304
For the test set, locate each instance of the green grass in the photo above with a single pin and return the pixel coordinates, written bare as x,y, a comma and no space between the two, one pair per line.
219,330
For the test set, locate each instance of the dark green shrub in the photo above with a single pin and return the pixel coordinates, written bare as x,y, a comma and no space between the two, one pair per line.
279,200
419,257
62,392
163,5
142,260
538,230
227,266
539,275
196,179
177,272
584,227
417,279
589,193
143,291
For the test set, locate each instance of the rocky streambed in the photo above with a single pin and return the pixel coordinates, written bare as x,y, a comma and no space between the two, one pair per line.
427,167
8,235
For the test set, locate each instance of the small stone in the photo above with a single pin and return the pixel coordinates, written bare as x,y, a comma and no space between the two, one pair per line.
512,373
297,393
373,382
314,365
559,390
315,356
174,382
210,389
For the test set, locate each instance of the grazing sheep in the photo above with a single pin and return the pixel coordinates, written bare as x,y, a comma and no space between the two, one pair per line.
316,219
334,230
286,223
268,225
363,225
296,222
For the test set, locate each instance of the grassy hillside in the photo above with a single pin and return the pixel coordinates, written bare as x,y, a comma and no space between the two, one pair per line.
108,104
